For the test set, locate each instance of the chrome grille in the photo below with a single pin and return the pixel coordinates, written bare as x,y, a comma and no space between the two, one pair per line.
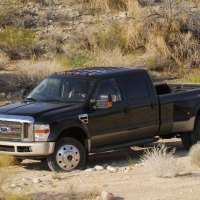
11,131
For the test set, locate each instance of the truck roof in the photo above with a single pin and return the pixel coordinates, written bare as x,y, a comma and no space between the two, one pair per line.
99,71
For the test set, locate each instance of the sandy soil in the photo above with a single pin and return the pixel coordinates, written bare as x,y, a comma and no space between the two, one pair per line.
34,177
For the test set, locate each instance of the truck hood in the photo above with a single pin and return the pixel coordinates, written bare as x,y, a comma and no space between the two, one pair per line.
35,109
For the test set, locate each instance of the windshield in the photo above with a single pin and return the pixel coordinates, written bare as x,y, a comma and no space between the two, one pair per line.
64,89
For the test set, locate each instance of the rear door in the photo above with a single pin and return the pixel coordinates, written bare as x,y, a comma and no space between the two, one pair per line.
109,126
142,105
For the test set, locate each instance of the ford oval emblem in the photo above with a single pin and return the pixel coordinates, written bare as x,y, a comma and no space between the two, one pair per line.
5,129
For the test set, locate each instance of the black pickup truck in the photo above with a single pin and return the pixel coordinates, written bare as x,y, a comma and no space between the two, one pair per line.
74,113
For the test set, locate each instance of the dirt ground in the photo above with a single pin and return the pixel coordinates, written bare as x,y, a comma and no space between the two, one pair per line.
34,177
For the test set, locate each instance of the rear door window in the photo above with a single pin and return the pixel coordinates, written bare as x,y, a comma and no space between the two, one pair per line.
135,87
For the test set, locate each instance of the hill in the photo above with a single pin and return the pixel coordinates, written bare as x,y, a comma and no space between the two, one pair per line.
38,37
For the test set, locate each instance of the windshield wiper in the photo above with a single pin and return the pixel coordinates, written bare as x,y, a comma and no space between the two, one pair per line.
55,100
30,99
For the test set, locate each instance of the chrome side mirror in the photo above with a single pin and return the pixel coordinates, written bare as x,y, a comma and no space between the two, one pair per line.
103,102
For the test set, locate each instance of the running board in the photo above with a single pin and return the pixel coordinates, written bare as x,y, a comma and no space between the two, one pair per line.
123,145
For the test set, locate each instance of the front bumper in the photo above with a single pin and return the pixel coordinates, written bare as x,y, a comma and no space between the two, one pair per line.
27,149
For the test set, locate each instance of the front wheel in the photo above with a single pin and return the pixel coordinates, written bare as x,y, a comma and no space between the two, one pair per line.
69,155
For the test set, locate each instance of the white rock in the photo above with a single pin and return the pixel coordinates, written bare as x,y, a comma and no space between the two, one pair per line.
122,14
106,195
111,169
139,165
36,180
98,198
13,186
127,169
90,170
99,168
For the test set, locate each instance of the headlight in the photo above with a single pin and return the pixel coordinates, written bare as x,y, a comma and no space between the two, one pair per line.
41,132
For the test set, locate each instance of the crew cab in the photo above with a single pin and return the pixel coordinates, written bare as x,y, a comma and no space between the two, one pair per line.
74,113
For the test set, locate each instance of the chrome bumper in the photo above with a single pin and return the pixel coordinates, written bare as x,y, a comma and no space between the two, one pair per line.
27,149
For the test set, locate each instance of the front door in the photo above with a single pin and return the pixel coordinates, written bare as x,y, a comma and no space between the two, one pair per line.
111,125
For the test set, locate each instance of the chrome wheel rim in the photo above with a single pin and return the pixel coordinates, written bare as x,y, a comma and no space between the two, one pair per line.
68,157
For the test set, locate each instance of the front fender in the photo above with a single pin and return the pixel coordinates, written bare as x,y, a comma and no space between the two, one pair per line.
58,129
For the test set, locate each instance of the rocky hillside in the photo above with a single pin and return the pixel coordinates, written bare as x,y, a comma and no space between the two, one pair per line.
38,37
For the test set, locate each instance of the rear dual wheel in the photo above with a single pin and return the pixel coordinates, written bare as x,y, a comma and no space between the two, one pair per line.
69,155
189,139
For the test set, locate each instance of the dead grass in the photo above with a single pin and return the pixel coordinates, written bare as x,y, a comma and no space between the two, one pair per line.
105,39
18,197
74,194
3,61
193,76
166,31
8,8
6,160
161,161
160,31
107,5
32,72
17,43
113,58
195,1
7,172
195,154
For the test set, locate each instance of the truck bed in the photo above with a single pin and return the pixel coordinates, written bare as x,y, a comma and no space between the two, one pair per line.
165,88
178,103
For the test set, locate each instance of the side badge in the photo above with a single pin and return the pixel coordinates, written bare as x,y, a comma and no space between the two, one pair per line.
83,118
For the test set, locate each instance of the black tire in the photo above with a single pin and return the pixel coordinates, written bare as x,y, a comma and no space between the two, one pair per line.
67,149
185,138
189,139
196,132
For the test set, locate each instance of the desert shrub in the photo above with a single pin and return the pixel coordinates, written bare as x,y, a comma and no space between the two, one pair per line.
6,175
136,37
106,5
8,9
5,172
6,160
74,194
195,154
54,43
3,61
17,197
131,6
113,57
161,161
159,31
17,43
32,72
181,48
76,58
109,39
195,1
192,77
